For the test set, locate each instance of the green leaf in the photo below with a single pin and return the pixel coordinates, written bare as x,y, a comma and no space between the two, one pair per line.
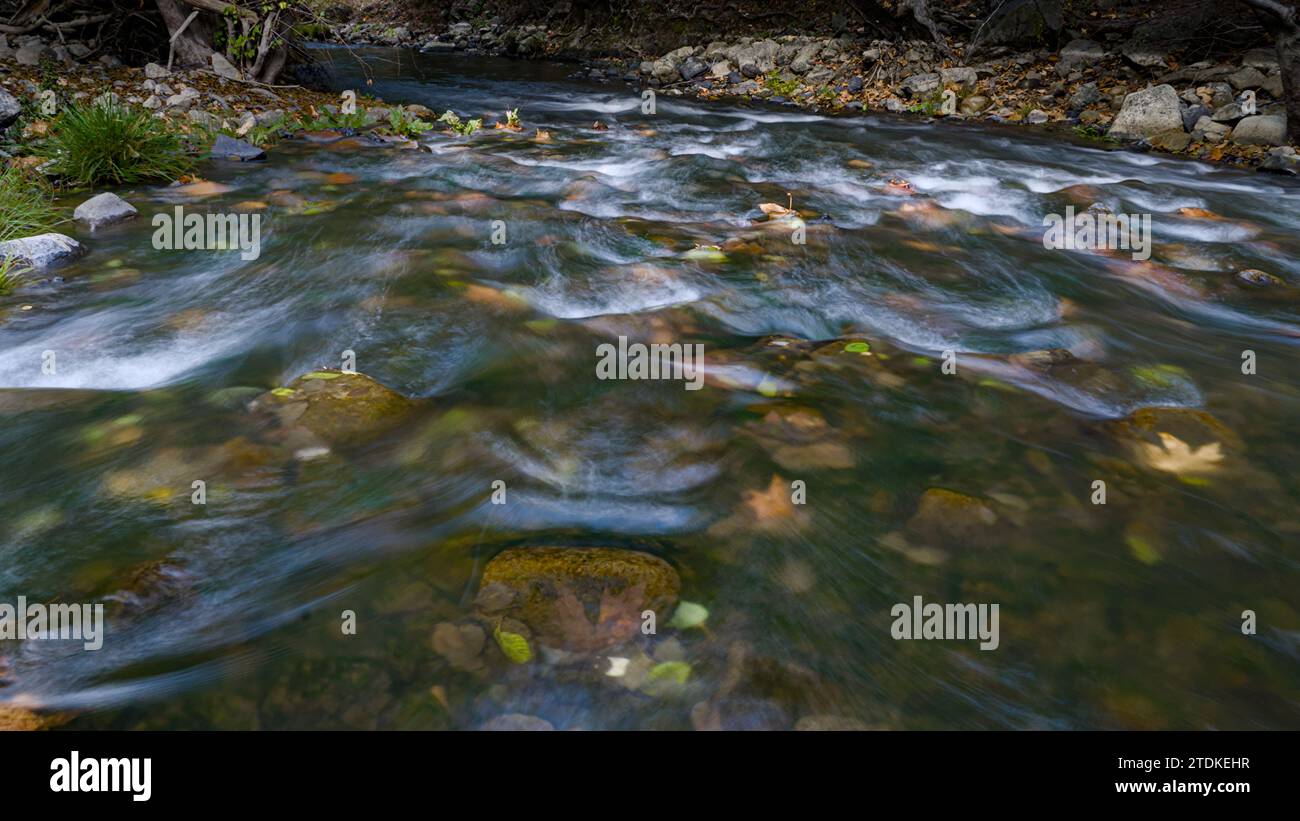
1142,548
857,347
513,645
1160,376
283,393
688,615
674,671
322,375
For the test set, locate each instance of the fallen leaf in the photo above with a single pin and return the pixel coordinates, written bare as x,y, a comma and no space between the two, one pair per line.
677,672
202,188
1200,213
1173,455
620,614
771,505
688,615
514,646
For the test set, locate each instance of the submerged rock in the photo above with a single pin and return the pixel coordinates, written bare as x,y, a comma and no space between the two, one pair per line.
831,723
580,598
340,408
1184,441
228,148
17,718
517,722
342,693
1255,278
150,586
946,516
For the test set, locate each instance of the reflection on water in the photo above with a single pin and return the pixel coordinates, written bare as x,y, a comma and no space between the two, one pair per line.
823,366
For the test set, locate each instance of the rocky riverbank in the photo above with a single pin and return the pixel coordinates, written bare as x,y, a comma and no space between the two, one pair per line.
1119,90
1116,92
40,77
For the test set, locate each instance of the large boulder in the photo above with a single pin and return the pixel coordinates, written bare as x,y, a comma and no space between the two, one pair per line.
33,54
1148,112
336,407
104,209
1262,129
43,250
578,598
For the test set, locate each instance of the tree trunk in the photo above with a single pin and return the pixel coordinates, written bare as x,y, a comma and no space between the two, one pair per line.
907,14
193,48
1282,20
1288,57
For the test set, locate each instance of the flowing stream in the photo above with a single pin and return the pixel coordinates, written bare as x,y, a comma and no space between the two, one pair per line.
226,615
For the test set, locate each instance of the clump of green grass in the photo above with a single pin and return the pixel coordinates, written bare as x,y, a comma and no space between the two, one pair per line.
111,143
26,205
780,87
8,275
1092,132
929,106
338,121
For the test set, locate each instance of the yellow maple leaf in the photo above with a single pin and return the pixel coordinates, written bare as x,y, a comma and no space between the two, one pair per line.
1176,456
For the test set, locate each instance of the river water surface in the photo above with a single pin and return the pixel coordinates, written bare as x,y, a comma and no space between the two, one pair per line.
974,486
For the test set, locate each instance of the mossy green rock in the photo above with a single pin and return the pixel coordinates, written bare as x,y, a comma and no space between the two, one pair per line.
339,408
1192,425
19,719
948,517
528,582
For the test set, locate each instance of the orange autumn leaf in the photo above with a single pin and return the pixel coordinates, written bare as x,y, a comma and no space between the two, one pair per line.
772,504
